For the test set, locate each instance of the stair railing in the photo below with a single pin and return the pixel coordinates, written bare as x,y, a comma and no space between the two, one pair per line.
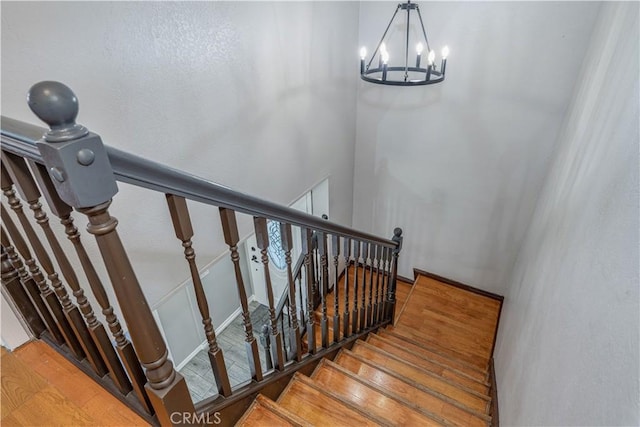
74,170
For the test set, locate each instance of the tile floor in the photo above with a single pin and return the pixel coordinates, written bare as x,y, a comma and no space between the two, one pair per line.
198,372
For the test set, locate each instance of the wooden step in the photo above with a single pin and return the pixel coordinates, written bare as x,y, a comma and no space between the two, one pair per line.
410,372
432,401
394,410
437,368
448,345
265,412
432,353
318,407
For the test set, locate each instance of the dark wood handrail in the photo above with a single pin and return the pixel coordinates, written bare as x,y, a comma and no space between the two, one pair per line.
20,138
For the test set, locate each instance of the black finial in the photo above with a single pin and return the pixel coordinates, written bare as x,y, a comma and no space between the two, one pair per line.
397,232
56,105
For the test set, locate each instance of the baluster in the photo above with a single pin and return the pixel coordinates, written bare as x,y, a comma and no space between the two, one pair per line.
55,301
356,264
372,249
11,283
28,283
84,180
307,250
262,240
347,263
295,341
26,185
363,309
324,285
385,283
125,351
376,303
315,264
265,340
391,292
231,237
184,232
336,289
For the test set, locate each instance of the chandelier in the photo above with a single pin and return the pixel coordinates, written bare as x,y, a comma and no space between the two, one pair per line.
412,73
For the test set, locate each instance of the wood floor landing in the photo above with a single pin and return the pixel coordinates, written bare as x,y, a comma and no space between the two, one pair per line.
460,323
41,388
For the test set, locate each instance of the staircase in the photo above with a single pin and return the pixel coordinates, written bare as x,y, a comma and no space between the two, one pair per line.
431,368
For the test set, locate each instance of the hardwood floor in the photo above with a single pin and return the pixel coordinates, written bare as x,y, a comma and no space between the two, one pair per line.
41,388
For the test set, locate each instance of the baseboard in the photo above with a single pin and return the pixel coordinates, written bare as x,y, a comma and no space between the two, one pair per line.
433,276
406,280
495,418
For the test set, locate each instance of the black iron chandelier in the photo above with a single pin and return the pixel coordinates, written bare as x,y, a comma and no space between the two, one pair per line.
412,73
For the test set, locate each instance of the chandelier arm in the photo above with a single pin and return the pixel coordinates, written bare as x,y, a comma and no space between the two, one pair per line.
406,48
423,30
383,36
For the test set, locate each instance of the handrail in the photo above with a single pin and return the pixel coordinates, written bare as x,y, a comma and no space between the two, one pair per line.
20,138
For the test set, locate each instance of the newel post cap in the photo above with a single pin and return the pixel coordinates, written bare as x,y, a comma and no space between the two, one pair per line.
55,104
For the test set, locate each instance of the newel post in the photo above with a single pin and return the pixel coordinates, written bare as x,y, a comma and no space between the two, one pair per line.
391,292
77,161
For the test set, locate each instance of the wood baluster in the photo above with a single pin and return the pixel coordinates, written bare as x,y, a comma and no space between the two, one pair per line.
87,183
26,185
324,287
125,352
363,309
265,340
376,300
12,284
307,250
55,300
184,232
347,264
295,341
231,237
282,334
262,240
383,285
336,289
372,250
391,292
29,284
356,264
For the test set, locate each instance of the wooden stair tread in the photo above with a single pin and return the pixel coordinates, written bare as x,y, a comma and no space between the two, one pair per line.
467,397
435,403
259,414
317,407
394,411
446,345
432,353
436,368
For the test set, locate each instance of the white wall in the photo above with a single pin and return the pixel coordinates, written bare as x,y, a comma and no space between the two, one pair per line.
257,96
459,165
568,349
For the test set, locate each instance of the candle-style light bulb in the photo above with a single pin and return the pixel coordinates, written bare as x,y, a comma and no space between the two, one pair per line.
363,54
431,57
383,50
419,49
385,60
443,65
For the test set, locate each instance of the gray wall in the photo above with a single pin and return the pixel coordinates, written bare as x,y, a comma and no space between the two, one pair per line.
256,96
568,350
459,165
